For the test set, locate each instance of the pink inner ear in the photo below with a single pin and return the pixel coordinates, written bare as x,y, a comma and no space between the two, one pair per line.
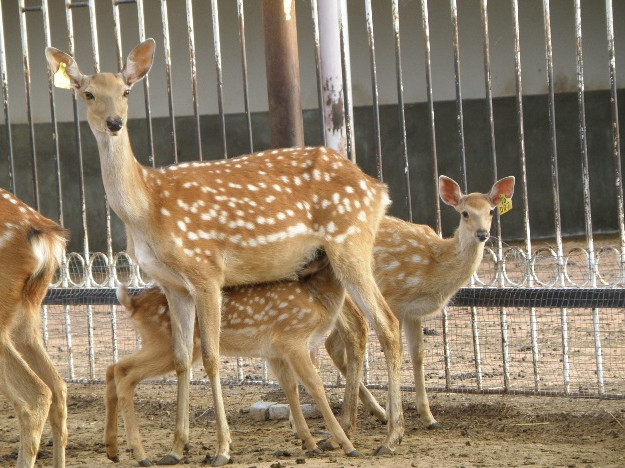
503,187
449,191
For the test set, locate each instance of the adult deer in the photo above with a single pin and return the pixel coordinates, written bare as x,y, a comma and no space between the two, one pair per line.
31,248
278,321
417,273
197,227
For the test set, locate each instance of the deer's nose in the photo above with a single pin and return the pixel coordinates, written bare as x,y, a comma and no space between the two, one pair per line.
114,124
482,235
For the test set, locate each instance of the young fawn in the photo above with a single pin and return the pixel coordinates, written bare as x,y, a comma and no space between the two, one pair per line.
197,227
277,321
31,248
417,273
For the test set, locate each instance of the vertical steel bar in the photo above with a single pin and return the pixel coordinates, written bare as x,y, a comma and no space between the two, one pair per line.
586,188
556,192
400,106
55,133
220,79
374,92
5,105
366,366
459,111
146,87
192,64
332,83
347,79
170,93
616,139
246,99
44,325
240,369
430,93
316,39
31,125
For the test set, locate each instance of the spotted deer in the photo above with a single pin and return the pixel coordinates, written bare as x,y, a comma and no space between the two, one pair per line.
417,273
31,248
278,321
197,227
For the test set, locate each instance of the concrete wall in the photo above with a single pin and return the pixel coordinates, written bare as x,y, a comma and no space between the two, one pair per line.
422,184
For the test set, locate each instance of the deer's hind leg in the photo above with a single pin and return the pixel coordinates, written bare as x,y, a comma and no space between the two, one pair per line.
352,265
28,342
347,345
30,397
300,363
122,379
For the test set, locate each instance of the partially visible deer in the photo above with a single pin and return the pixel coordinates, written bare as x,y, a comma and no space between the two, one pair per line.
277,321
417,273
197,227
31,248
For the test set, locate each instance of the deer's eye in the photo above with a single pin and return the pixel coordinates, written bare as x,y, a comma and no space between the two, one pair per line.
89,96
492,212
127,93
465,214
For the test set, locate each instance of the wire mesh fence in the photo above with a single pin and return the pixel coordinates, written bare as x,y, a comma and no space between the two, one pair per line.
542,318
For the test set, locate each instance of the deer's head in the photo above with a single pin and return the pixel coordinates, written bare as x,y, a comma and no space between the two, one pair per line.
476,209
105,94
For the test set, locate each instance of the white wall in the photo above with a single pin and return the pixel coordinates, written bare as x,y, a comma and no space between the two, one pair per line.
472,70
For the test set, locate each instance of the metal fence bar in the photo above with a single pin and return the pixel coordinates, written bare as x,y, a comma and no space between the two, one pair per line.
374,93
55,133
170,93
192,64
459,110
29,114
220,79
400,106
556,192
347,79
586,188
246,99
314,10
616,139
5,106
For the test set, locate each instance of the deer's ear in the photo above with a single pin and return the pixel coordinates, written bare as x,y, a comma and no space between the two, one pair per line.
503,186
55,58
139,62
449,191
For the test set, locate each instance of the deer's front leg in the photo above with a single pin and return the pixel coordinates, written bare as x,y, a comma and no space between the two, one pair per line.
208,305
414,337
182,313
110,424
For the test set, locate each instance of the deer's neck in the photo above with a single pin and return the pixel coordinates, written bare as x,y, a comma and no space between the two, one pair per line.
461,255
123,177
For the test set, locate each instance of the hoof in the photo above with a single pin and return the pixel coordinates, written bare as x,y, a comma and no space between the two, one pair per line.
314,452
145,462
113,458
434,425
353,453
326,444
383,450
219,460
169,459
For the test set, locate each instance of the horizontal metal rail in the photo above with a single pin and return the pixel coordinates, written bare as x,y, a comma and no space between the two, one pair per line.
573,298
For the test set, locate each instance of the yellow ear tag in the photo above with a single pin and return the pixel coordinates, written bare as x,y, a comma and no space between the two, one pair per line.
505,204
61,79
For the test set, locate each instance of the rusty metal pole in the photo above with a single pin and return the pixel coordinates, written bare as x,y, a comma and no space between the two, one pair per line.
283,81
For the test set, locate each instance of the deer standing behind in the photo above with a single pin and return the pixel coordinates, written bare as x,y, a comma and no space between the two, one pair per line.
417,273
197,227
31,248
278,321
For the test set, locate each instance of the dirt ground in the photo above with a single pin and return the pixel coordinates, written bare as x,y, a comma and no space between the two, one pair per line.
476,431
